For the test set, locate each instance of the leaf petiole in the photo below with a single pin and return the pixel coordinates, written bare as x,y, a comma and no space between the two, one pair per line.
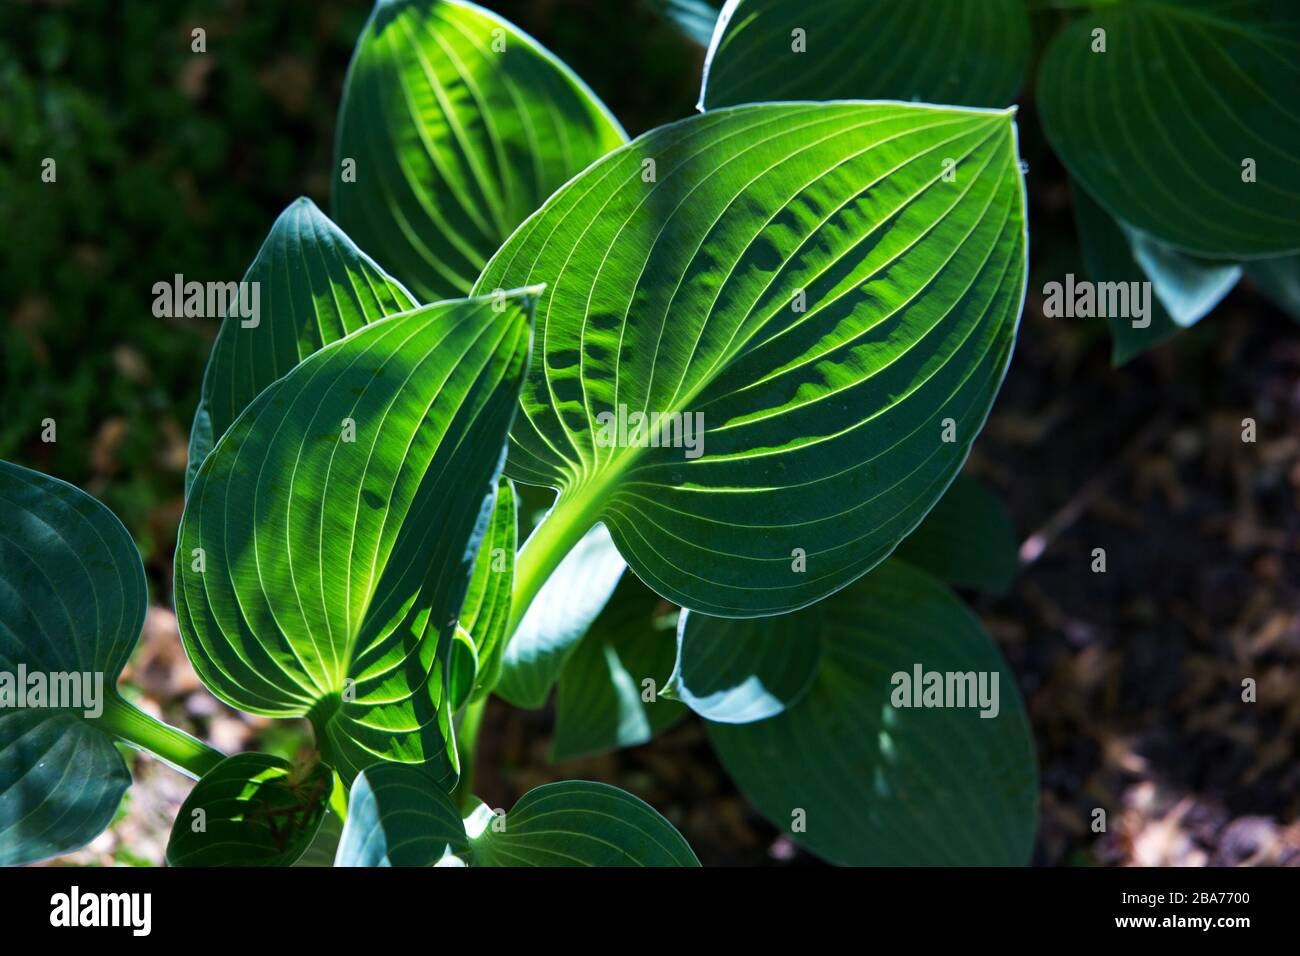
175,747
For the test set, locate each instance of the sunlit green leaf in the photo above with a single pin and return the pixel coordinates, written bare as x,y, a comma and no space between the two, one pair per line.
818,300
328,539
454,126
486,610
314,286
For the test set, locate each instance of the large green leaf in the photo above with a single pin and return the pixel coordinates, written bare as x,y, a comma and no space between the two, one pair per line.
397,816
72,601
338,520
967,540
459,125
250,810
1159,125
859,780
739,671
568,602
601,699
676,269
932,51
1185,288
314,287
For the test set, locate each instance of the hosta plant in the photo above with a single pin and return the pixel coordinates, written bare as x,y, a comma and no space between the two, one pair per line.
1174,120
747,353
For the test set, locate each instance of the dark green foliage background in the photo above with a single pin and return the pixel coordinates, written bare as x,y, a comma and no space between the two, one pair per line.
175,162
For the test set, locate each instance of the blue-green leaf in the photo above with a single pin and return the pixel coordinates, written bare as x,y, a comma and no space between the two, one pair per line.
858,778
454,126
399,816
1180,119
1185,288
931,51
736,671
72,602
568,602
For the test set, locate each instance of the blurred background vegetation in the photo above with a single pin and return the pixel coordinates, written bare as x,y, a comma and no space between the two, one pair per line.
170,162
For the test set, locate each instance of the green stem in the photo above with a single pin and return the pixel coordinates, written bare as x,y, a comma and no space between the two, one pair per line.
471,719
187,754
561,529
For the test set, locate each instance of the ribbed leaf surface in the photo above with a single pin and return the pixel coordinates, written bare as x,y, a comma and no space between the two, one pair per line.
581,823
1158,126
931,51
72,601
252,809
459,125
487,602
805,282
338,520
397,816
314,287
